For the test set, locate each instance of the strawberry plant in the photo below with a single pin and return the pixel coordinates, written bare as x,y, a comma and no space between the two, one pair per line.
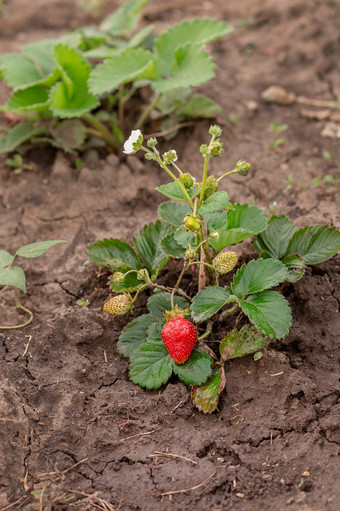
69,90
14,276
194,333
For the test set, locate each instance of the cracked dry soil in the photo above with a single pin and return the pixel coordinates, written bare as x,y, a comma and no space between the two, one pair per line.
73,429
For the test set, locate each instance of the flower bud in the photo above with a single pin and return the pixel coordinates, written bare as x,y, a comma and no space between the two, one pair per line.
215,130
243,167
170,156
118,305
224,262
211,186
152,142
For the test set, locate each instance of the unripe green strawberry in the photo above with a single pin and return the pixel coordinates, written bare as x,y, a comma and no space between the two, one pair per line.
211,186
118,305
224,262
187,180
179,337
192,223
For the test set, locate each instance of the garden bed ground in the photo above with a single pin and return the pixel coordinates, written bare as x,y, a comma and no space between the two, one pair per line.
73,428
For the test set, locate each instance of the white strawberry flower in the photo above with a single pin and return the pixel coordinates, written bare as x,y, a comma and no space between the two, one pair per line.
132,144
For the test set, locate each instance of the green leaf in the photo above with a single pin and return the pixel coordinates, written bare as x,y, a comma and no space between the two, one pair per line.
198,31
315,243
71,97
34,66
37,249
134,334
118,70
209,301
13,276
130,283
172,213
201,106
295,267
258,275
18,135
114,253
184,237
218,201
192,66
206,397
196,370
275,238
70,133
124,19
243,221
174,191
242,342
150,364
216,221
269,312
161,302
31,99
5,258
171,247
148,245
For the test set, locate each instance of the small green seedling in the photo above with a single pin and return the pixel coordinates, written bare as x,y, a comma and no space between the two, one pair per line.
276,127
198,227
14,276
18,164
68,91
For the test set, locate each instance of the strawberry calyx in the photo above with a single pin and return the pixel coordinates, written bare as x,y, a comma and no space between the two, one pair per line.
175,312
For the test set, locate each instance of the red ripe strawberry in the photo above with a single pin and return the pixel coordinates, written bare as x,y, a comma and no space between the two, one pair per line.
179,337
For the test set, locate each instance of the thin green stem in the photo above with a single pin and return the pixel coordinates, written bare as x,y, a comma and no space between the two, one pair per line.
234,171
147,111
204,180
171,174
175,288
104,132
21,325
177,167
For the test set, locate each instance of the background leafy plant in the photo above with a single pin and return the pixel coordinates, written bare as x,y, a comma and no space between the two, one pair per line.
78,86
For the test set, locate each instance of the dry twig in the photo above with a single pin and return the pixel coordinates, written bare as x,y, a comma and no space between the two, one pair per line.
173,492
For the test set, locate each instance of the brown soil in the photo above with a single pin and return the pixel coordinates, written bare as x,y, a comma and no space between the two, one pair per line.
73,428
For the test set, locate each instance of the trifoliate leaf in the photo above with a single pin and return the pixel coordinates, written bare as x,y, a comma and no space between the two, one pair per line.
161,302
201,106
13,276
275,238
31,99
134,334
196,370
243,342
218,201
37,249
5,258
118,70
258,275
295,267
173,213
207,396
174,191
198,31
71,97
315,243
192,66
151,364
209,301
269,312
18,135
148,245
114,253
